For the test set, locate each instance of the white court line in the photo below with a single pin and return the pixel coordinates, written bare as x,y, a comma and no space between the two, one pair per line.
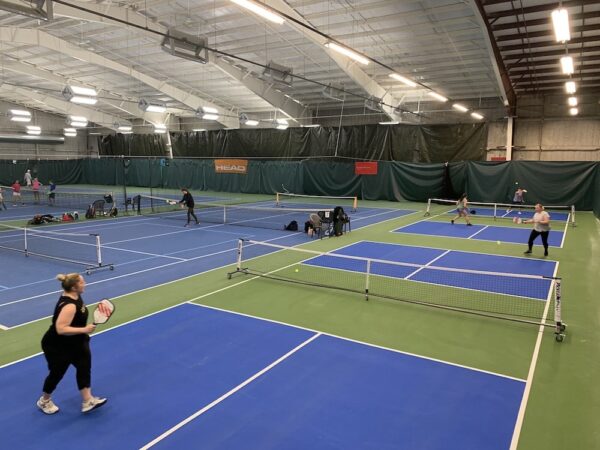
149,287
337,336
3,327
536,350
477,232
155,255
426,265
562,242
229,393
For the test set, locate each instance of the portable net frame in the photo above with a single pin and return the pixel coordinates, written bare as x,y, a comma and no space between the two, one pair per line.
504,210
282,199
225,214
515,297
76,248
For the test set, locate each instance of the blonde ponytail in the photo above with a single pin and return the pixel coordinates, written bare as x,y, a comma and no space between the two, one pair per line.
68,281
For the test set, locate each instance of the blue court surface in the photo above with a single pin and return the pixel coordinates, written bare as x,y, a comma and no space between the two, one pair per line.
524,214
493,233
194,377
146,251
430,260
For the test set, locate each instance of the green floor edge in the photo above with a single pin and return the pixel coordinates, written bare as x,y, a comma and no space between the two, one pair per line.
564,404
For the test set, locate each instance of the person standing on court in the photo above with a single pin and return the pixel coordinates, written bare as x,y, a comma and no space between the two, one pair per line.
518,198
2,205
36,186
188,201
462,210
541,227
67,342
27,178
16,193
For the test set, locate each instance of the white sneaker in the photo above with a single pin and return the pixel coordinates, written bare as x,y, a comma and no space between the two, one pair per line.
92,403
47,406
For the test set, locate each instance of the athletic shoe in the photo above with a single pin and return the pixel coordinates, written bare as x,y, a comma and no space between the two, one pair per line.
528,252
47,406
92,403
197,223
545,253
469,224
187,225
452,222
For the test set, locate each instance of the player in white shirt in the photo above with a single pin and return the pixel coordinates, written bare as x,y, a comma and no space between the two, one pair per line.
541,227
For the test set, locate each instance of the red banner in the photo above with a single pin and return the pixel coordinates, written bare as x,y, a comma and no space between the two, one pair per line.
365,168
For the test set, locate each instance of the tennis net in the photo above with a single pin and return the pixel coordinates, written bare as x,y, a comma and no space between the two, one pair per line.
75,248
509,296
283,199
60,199
234,214
505,210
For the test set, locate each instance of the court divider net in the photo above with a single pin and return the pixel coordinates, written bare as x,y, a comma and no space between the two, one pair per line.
284,199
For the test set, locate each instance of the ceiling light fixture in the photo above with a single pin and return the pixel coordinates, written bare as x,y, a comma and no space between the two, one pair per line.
81,95
391,122
33,129
400,78
570,87
20,115
160,128
566,63
437,96
460,107
78,121
260,10
347,52
572,101
560,20
476,116
70,132
148,106
282,124
573,111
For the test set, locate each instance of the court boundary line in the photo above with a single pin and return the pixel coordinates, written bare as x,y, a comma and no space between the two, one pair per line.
408,277
229,393
454,250
356,341
529,382
135,273
562,242
458,237
4,327
478,231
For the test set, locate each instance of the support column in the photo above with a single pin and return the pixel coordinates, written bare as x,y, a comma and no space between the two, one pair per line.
509,138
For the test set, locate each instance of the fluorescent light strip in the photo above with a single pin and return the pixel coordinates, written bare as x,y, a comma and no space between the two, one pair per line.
437,96
78,124
209,110
312,125
560,20
156,108
400,78
476,116
125,128
70,134
347,52
259,10
70,130
20,112
566,63
20,119
83,100
460,107
33,129
197,130
572,101
210,116
251,123
573,111
391,122
78,90
570,87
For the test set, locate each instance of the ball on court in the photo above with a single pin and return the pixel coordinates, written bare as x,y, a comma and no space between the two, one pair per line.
297,270
498,242
516,182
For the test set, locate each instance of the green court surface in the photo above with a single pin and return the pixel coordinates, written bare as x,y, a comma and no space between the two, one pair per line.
564,402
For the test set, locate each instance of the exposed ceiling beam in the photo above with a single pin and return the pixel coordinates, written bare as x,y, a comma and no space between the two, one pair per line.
552,43
42,39
554,70
544,33
540,8
533,55
64,107
128,107
545,21
553,62
502,77
257,86
350,67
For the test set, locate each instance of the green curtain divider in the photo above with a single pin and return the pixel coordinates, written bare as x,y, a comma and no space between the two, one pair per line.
409,143
59,171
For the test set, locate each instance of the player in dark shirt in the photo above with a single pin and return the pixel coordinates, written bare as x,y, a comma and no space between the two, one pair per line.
188,201
67,342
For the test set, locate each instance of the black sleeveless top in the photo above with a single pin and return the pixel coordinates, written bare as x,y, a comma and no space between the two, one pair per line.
79,320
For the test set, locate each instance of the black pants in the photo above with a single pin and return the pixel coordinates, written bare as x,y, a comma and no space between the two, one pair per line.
533,236
191,214
59,359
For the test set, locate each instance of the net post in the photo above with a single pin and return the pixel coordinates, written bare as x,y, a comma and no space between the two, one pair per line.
239,259
559,325
98,250
495,210
428,210
367,279
355,204
573,216
276,198
25,241
225,215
